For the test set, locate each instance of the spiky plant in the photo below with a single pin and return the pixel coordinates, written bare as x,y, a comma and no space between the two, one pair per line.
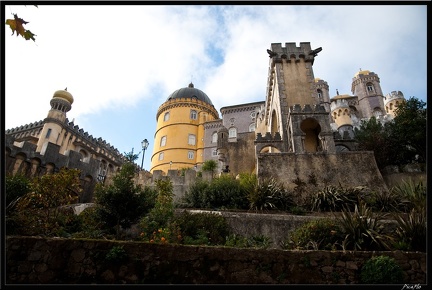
363,230
411,230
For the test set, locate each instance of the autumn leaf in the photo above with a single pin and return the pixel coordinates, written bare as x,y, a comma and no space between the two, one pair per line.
17,26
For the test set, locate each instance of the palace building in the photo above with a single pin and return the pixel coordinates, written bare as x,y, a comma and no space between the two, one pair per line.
296,132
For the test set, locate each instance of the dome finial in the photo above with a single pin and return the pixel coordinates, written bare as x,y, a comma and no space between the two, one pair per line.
66,89
191,85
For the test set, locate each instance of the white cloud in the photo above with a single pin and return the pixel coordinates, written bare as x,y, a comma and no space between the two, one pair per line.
119,58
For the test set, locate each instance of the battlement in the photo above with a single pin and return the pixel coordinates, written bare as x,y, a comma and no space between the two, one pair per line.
314,109
268,137
25,127
339,104
98,141
292,51
393,96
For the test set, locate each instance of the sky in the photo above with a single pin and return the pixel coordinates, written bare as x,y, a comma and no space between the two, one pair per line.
121,62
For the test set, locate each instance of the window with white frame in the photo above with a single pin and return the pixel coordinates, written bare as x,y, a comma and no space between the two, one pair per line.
370,87
214,152
161,156
232,132
191,139
166,116
214,137
193,115
163,141
191,155
252,127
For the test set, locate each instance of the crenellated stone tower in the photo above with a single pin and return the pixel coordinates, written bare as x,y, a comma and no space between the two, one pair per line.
295,142
294,107
366,86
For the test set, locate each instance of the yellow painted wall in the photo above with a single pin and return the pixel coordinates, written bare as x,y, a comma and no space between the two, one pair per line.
177,129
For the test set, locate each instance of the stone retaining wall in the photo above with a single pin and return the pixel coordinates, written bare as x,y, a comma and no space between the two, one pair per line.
35,260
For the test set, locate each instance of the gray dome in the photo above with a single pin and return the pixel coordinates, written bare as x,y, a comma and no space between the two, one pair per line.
190,92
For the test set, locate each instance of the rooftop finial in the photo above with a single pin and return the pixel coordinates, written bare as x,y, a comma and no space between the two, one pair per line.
66,89
337,92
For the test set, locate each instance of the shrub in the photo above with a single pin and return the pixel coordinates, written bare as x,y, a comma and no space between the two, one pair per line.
39,211
195,196
381,270
411,231
332,198
266,194
362,230
411,195
162,214
116,254
384,201
202,228
15,187
319,234
238,241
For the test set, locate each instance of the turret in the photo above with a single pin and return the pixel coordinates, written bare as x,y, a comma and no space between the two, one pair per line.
366,86
391,101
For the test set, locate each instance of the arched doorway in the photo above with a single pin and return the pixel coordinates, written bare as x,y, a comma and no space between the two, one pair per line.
311,128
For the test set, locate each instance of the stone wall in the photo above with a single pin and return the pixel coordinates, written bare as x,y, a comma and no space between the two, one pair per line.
36,260
348,169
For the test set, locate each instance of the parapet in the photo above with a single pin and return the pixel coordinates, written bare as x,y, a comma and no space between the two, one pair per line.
317,108
293,52
393,96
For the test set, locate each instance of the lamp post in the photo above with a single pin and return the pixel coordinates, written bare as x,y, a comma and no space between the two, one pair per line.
144,144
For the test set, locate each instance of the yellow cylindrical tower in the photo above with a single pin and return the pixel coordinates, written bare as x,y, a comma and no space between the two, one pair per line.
61,103
179,137
391,101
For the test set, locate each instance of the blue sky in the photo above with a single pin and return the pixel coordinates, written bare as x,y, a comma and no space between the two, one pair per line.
121,62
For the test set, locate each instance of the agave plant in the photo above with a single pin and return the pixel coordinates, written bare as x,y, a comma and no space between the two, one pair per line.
266,194
412,194
411,231
363,231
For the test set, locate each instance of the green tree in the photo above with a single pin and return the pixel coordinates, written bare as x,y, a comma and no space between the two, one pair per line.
131,157
39,211
400,141
209,165
409,128
159,225
123,203
374,136
16,186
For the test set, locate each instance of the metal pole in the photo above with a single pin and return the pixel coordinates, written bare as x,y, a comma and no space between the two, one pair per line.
142,162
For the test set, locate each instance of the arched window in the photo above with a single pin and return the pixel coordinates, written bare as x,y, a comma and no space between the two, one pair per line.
192,139
166,116
214,137
161,156
319,94
232,132
163,141
191,155
193,115
252,127
370,87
